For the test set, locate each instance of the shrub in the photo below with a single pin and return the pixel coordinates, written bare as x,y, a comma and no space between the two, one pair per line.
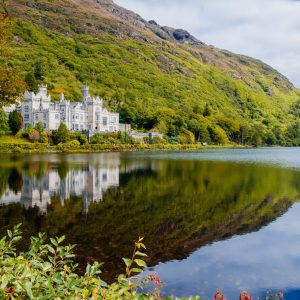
81,138
158,141
4,128
61,135
97,139
47,270
72,143
43,137
39,127
186,137
218,135
26,132
34,136
15,121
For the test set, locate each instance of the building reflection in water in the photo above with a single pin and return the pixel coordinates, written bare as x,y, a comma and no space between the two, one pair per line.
84,177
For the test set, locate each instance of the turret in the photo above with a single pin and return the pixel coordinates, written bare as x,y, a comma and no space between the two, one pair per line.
42,89
85,92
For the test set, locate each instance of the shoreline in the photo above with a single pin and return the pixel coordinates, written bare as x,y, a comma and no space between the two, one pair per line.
35,148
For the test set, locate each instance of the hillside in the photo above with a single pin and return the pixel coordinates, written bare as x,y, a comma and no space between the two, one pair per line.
156,77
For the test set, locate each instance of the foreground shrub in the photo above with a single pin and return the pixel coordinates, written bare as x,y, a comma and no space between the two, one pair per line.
47,271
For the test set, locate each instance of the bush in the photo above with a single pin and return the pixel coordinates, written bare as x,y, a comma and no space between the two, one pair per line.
186,137
97,139
158,141
72,143
26,132
43,137
15,121
34,136
4,128
39,127
218,135
47,270
61,135
81,138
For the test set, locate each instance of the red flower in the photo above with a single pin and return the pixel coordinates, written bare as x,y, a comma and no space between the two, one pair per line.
219,296
245,296
154,277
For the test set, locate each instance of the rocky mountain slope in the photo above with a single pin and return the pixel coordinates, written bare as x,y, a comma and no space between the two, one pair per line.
156,77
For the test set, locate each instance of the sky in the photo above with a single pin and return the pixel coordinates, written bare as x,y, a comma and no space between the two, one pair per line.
265,29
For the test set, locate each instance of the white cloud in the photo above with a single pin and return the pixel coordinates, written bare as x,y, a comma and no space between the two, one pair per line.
264,29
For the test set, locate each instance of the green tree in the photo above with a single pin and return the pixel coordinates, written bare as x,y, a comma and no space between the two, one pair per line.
81,138
11,86
31,82
207,111
186,137
15,121
4,128
39,127
61,135
218,135
39,72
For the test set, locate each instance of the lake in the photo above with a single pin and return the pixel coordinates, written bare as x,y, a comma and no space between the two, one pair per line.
224,219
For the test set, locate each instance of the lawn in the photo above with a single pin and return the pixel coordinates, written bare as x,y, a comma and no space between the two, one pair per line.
10,139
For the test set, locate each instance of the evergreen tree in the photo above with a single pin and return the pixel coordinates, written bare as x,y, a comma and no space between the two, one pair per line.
31,82
38,71
3,122
207,111
39,127
15,121
61,135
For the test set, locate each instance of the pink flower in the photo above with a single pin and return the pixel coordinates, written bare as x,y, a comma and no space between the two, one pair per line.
154,277
219,296
245,296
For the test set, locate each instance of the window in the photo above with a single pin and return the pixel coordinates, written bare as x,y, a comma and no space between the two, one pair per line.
81,117
104,121
36,117
104,177
56,116
26,108
45,116
26,117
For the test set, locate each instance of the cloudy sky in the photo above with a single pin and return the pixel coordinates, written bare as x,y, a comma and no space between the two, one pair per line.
264,29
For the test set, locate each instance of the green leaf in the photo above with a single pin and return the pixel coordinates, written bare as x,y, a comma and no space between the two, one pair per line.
136,270
140,263
51,250
141,254
127,262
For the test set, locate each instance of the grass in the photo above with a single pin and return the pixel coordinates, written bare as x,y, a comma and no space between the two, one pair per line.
13,140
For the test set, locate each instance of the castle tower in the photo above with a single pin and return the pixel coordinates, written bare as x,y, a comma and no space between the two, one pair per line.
85,92
42,89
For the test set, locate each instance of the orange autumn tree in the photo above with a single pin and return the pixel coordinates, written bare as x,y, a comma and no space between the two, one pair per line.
11,84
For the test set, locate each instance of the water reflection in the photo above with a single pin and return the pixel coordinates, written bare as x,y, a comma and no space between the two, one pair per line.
102,202
85,180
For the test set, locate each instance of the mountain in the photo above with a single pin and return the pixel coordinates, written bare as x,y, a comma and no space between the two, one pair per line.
155,76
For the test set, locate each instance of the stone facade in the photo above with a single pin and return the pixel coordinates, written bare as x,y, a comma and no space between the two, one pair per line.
86,115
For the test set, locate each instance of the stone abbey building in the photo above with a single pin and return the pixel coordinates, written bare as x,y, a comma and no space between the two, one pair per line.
87,115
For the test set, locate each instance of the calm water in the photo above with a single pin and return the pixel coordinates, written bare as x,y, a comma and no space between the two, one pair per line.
215,219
